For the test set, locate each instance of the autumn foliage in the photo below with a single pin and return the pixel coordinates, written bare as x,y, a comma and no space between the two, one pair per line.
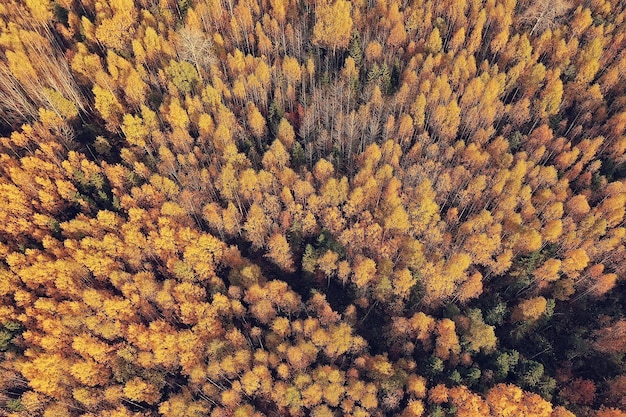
312,208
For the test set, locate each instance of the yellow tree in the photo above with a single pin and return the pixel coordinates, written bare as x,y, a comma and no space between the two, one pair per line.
364,272
117,31
480,335
575,261
256,226
468,403
510,401
549,271
530,309
280,252
447,341
256,121
333,25
107,104
286,134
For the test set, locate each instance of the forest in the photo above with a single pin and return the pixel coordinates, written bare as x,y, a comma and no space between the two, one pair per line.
324,208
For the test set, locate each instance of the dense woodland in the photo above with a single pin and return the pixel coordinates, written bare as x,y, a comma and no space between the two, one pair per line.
312,208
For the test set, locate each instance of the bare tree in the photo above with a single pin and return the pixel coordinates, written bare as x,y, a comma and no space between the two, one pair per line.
15,106
195,47
20,95
541,15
